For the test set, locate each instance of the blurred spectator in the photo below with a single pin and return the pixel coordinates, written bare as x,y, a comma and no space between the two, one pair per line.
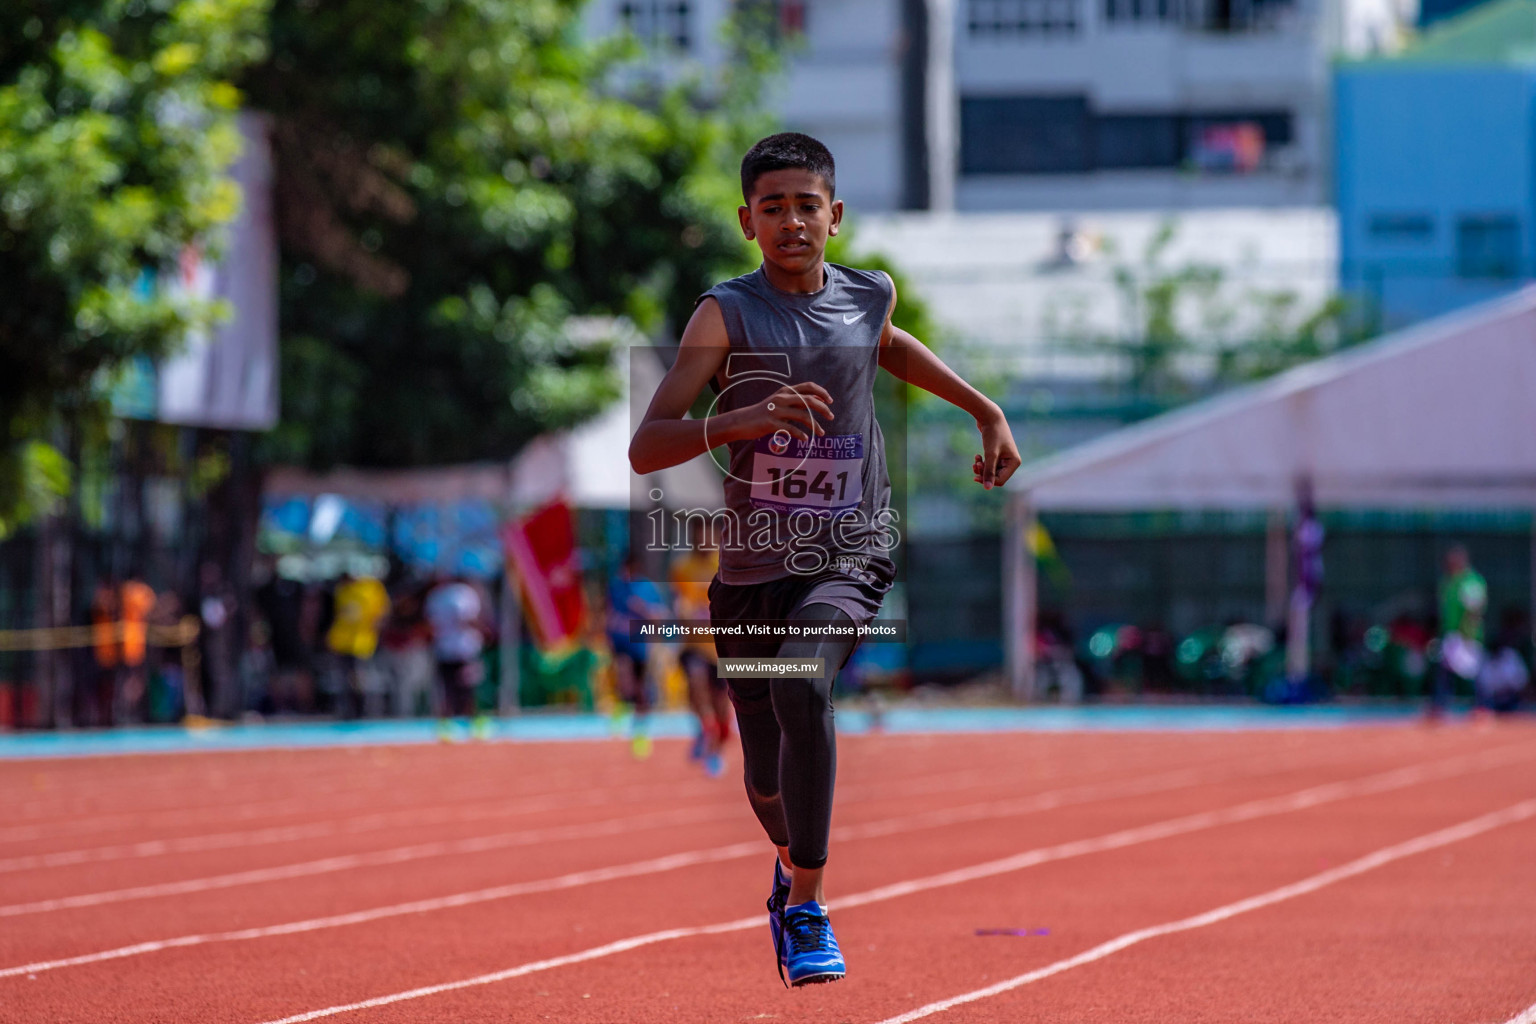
1505,674
1056,667
1307,555
1502,679
453,609
1463,600
281,602
95,705
405,656
136,602
257,670
216,609
1410,639
167,696
1157,645
318,615
361,604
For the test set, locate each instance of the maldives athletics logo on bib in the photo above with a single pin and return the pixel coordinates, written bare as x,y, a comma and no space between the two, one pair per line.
823,475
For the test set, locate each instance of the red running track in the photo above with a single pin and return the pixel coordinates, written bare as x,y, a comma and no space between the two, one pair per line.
1372,874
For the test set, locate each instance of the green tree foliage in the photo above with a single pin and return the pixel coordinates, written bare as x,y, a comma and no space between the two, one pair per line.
456,180
115,131
1187,331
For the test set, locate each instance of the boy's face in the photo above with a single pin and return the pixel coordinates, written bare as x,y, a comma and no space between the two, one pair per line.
790,215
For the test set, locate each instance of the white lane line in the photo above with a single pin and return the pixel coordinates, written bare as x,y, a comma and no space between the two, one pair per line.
873,829
1116,840
323,829
459,813
346,862
405,818
245,811
398,855
1522,811
591,793
1525,1016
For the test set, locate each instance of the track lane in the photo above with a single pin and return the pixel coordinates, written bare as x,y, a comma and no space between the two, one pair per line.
552,911
1441,937
921,948
344,895
224,854
206,785
870,827
1155,1009
227,852
489,927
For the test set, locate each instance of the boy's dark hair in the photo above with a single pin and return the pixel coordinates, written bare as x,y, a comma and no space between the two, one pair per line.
783,151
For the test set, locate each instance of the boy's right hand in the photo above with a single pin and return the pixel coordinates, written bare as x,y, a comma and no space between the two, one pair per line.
791,410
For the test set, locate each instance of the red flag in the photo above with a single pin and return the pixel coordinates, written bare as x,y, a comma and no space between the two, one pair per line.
541,549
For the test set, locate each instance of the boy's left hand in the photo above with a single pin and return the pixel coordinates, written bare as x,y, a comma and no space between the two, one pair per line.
1000,456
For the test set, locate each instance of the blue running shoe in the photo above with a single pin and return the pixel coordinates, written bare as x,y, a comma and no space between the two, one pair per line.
811,954
778,899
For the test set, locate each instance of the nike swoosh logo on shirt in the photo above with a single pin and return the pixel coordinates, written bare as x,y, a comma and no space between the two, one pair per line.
854,319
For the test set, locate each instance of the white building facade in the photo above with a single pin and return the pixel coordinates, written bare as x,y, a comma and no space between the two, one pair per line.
1049,104
1165,104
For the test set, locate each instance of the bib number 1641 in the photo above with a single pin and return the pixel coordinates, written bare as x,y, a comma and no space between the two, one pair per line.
795,484
821,475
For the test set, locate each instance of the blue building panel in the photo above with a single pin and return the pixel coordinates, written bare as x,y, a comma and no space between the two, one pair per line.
1436,183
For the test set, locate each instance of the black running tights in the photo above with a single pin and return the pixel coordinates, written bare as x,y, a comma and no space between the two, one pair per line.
787,739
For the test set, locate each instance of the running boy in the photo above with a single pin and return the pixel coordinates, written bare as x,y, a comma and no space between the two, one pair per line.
791,350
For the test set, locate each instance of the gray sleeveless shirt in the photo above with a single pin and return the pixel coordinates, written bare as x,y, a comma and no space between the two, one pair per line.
819,506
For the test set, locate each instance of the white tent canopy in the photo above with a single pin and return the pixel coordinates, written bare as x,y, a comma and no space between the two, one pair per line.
596,454
1442,414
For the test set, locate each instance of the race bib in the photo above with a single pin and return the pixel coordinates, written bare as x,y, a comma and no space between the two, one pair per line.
824,475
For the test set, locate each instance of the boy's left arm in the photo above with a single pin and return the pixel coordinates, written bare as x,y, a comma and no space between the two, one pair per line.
908,359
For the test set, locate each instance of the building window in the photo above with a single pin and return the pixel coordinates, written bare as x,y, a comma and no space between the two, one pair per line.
1235,15
1488,246
659,24
1401,228
1201,15
1143,10
1025,135
994,18
1062,135
1136,140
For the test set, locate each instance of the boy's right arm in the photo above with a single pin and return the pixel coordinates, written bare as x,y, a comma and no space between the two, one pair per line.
666,438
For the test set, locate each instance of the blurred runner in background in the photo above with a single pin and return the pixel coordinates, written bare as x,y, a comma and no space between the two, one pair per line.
453,610
1463,600
96,706
406,658
690,577
633,598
